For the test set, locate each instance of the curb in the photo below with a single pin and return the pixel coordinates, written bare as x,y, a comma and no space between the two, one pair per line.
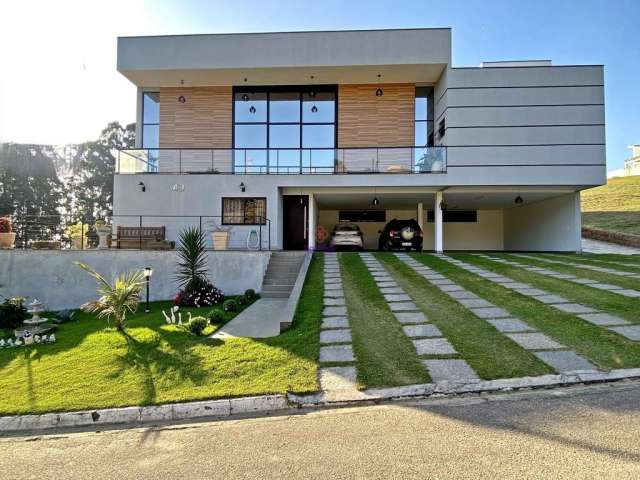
219,409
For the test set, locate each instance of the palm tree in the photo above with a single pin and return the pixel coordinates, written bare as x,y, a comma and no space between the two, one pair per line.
115,300
192,264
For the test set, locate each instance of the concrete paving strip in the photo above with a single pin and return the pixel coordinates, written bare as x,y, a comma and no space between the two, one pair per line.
583,312
567,261
563,361
328,337
450,370
334,322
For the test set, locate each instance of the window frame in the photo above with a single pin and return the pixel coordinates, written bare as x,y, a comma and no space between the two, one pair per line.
426,92
244,209
144,124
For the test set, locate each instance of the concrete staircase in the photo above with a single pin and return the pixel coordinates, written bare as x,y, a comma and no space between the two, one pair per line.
281,274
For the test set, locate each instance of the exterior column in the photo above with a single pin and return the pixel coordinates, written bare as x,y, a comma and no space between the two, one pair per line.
311,233
437,214
577,221
420,214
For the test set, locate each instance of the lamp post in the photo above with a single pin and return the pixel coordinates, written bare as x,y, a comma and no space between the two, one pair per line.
148,271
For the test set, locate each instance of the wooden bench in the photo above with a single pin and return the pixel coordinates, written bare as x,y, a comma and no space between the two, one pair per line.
151,238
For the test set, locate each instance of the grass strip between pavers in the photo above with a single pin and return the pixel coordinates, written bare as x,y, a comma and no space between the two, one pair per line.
602,347
602,277
385,356
490,353
613,303
91,366
629,267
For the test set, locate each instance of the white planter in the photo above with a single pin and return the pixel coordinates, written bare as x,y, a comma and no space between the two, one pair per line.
220,240
103,237
7,240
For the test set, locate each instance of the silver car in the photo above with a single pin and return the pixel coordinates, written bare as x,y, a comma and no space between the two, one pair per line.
346,235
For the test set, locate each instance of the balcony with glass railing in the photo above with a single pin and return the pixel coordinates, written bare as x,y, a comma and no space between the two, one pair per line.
283,161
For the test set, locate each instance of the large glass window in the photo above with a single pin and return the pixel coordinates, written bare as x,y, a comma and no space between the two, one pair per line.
151,127
284,130
424,117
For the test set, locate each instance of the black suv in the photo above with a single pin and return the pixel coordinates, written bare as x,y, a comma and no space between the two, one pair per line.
401,235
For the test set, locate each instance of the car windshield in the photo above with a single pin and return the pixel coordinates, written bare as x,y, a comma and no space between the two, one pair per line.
346,228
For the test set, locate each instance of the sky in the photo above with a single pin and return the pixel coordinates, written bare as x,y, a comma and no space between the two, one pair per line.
59,84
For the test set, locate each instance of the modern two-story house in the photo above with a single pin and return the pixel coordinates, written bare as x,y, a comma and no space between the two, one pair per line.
302,130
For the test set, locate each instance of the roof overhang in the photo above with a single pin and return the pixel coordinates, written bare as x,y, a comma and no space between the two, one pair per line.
398,56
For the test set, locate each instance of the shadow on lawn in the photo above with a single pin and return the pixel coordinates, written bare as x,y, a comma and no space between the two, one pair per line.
168,355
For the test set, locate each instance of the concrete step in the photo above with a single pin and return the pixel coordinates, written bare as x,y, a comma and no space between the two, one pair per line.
275,294
282,276
276,286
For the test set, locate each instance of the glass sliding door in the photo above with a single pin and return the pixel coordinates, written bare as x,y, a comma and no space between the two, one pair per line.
284,130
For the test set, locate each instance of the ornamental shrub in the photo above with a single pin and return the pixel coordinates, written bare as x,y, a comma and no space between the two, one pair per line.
12,313
199,293
250,294
197,325
216,316
230,305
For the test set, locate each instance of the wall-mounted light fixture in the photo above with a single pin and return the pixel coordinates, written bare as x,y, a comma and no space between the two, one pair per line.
182,99
245,97
518,200
379,91
375,202
443,206
143,187
243,187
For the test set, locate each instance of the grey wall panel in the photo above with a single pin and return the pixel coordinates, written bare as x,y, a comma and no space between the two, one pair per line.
499,116
526,96
567,135
526,76
531,155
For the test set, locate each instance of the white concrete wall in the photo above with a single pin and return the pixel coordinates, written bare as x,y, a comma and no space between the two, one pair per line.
486,234
52,277
550,225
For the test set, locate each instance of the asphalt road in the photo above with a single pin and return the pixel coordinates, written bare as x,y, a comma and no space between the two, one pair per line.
581,432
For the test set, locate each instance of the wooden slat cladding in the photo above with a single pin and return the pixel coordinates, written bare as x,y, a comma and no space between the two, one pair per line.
366,120
202,121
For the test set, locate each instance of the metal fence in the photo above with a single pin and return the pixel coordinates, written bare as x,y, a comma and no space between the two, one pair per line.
138,232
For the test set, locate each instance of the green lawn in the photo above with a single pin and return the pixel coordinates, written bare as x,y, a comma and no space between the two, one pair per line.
469,334
601,346
614,206
92,366
626,264
384,354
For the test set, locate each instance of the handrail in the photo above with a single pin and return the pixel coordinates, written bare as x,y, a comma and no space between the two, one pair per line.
284,161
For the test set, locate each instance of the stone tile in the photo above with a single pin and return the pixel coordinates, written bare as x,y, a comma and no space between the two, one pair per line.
514,285
475,303
382,278
334,302
426,330
564,361
561,276
336,353
605,286
335,336
632,332
534,341
490,312
402,306
450,288
337,293
331,270
585,281
397,297
334,311
501,279
604,319
551,299
331,277
450,370
387,284
530,292
333,286
574,308
410,317
337,378
444,281
386,290
462,294
628,293
434,346
334,322
510,325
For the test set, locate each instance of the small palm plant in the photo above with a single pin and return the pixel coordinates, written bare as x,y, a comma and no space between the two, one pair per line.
192,264
115,300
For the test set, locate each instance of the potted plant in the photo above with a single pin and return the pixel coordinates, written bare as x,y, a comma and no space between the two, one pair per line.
7,236
220,237
104,232
78,234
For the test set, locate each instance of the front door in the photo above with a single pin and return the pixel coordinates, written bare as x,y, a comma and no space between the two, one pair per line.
295,219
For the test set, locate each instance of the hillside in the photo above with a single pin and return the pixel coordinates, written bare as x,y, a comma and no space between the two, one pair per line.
613,207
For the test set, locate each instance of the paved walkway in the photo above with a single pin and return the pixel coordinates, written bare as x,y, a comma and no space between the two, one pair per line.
588,282
596,246
559,357
337,373
586,266
426,337
260,320
588,314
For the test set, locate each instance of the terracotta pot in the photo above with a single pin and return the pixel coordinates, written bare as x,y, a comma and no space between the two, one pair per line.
7,240
220,240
